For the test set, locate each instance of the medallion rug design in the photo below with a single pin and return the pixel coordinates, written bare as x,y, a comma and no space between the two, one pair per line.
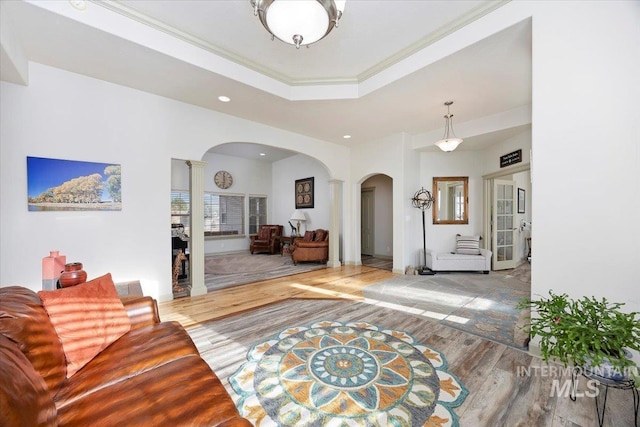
346,374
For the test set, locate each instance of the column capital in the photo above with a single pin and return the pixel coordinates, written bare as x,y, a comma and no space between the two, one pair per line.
195,164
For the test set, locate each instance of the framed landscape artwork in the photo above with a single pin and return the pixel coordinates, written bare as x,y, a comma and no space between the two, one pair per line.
304,193
70,185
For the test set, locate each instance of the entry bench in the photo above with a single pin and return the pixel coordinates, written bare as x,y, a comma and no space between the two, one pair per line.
447,261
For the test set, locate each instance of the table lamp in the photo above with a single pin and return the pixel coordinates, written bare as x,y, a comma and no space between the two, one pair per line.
299,217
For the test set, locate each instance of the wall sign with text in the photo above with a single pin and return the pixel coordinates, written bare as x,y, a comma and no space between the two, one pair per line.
511,158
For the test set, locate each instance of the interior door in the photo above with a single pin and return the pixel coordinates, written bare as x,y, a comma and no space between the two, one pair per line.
503,225
367,231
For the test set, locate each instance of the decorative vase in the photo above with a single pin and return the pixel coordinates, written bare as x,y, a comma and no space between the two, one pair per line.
73,274
52,266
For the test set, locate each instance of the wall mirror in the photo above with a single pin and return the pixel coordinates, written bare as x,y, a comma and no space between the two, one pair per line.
451,200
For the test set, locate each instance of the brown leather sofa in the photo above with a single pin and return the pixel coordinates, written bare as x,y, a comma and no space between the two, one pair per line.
314,246
152,375
267,239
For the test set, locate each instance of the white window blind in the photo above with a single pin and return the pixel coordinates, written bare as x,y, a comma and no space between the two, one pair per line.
180,209
257,213
223,214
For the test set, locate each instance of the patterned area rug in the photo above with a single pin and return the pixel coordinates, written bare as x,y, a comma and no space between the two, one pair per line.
346,374
522,272
224,271
494,316
481,304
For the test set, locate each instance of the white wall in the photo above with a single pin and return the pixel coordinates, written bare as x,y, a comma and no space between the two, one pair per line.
285,173
68,116
490,157
586,149
383,215
442,237
394,157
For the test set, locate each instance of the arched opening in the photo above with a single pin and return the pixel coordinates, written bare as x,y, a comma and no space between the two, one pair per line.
255,186
376,221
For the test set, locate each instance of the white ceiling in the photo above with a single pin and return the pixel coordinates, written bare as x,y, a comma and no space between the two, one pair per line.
358,80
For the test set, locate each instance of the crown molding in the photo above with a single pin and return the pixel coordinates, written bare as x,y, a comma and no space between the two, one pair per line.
471,16
157,25
442,32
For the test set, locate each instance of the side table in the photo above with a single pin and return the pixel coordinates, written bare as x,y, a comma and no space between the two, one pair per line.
626,384
285,245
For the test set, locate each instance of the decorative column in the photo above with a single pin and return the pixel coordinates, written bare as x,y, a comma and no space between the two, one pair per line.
196,247
335,186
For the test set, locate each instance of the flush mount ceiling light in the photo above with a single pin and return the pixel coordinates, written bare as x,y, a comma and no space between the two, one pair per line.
299,22
78,4
449,142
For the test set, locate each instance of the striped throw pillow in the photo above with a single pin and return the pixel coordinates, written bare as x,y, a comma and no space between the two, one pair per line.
87,318
468,245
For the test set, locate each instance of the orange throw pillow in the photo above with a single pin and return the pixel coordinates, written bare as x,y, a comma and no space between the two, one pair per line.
87,318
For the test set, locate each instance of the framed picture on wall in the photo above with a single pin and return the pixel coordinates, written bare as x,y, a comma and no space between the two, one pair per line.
304,193
72,185
521,199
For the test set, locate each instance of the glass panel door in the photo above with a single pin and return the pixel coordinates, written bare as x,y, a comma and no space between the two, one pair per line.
504,250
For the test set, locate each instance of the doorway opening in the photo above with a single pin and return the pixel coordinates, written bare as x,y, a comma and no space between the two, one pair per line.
376,222
507,220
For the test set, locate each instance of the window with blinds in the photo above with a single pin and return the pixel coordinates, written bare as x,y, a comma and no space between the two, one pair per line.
223,214
180,209
257,213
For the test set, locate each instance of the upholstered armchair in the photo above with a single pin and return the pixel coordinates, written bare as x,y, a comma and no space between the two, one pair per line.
267,239
314,246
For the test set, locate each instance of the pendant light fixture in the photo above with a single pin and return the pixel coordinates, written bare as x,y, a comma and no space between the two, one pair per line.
449,142
298,22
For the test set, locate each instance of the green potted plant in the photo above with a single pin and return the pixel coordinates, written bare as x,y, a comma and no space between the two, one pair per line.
587,333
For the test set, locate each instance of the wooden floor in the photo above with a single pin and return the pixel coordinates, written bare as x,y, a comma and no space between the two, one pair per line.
502,392
345,282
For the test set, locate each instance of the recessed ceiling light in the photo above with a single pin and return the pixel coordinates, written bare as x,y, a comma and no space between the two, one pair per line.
224,98
262,154
347,136
78,4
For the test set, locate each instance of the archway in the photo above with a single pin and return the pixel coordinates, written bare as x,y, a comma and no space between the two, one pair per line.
271,178
376,221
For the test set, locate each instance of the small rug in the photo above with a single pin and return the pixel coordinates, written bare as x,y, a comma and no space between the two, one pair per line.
346,374
480,304
493,316
522,272
223,271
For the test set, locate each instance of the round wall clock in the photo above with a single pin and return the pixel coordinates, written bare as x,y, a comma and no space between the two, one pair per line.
223,179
